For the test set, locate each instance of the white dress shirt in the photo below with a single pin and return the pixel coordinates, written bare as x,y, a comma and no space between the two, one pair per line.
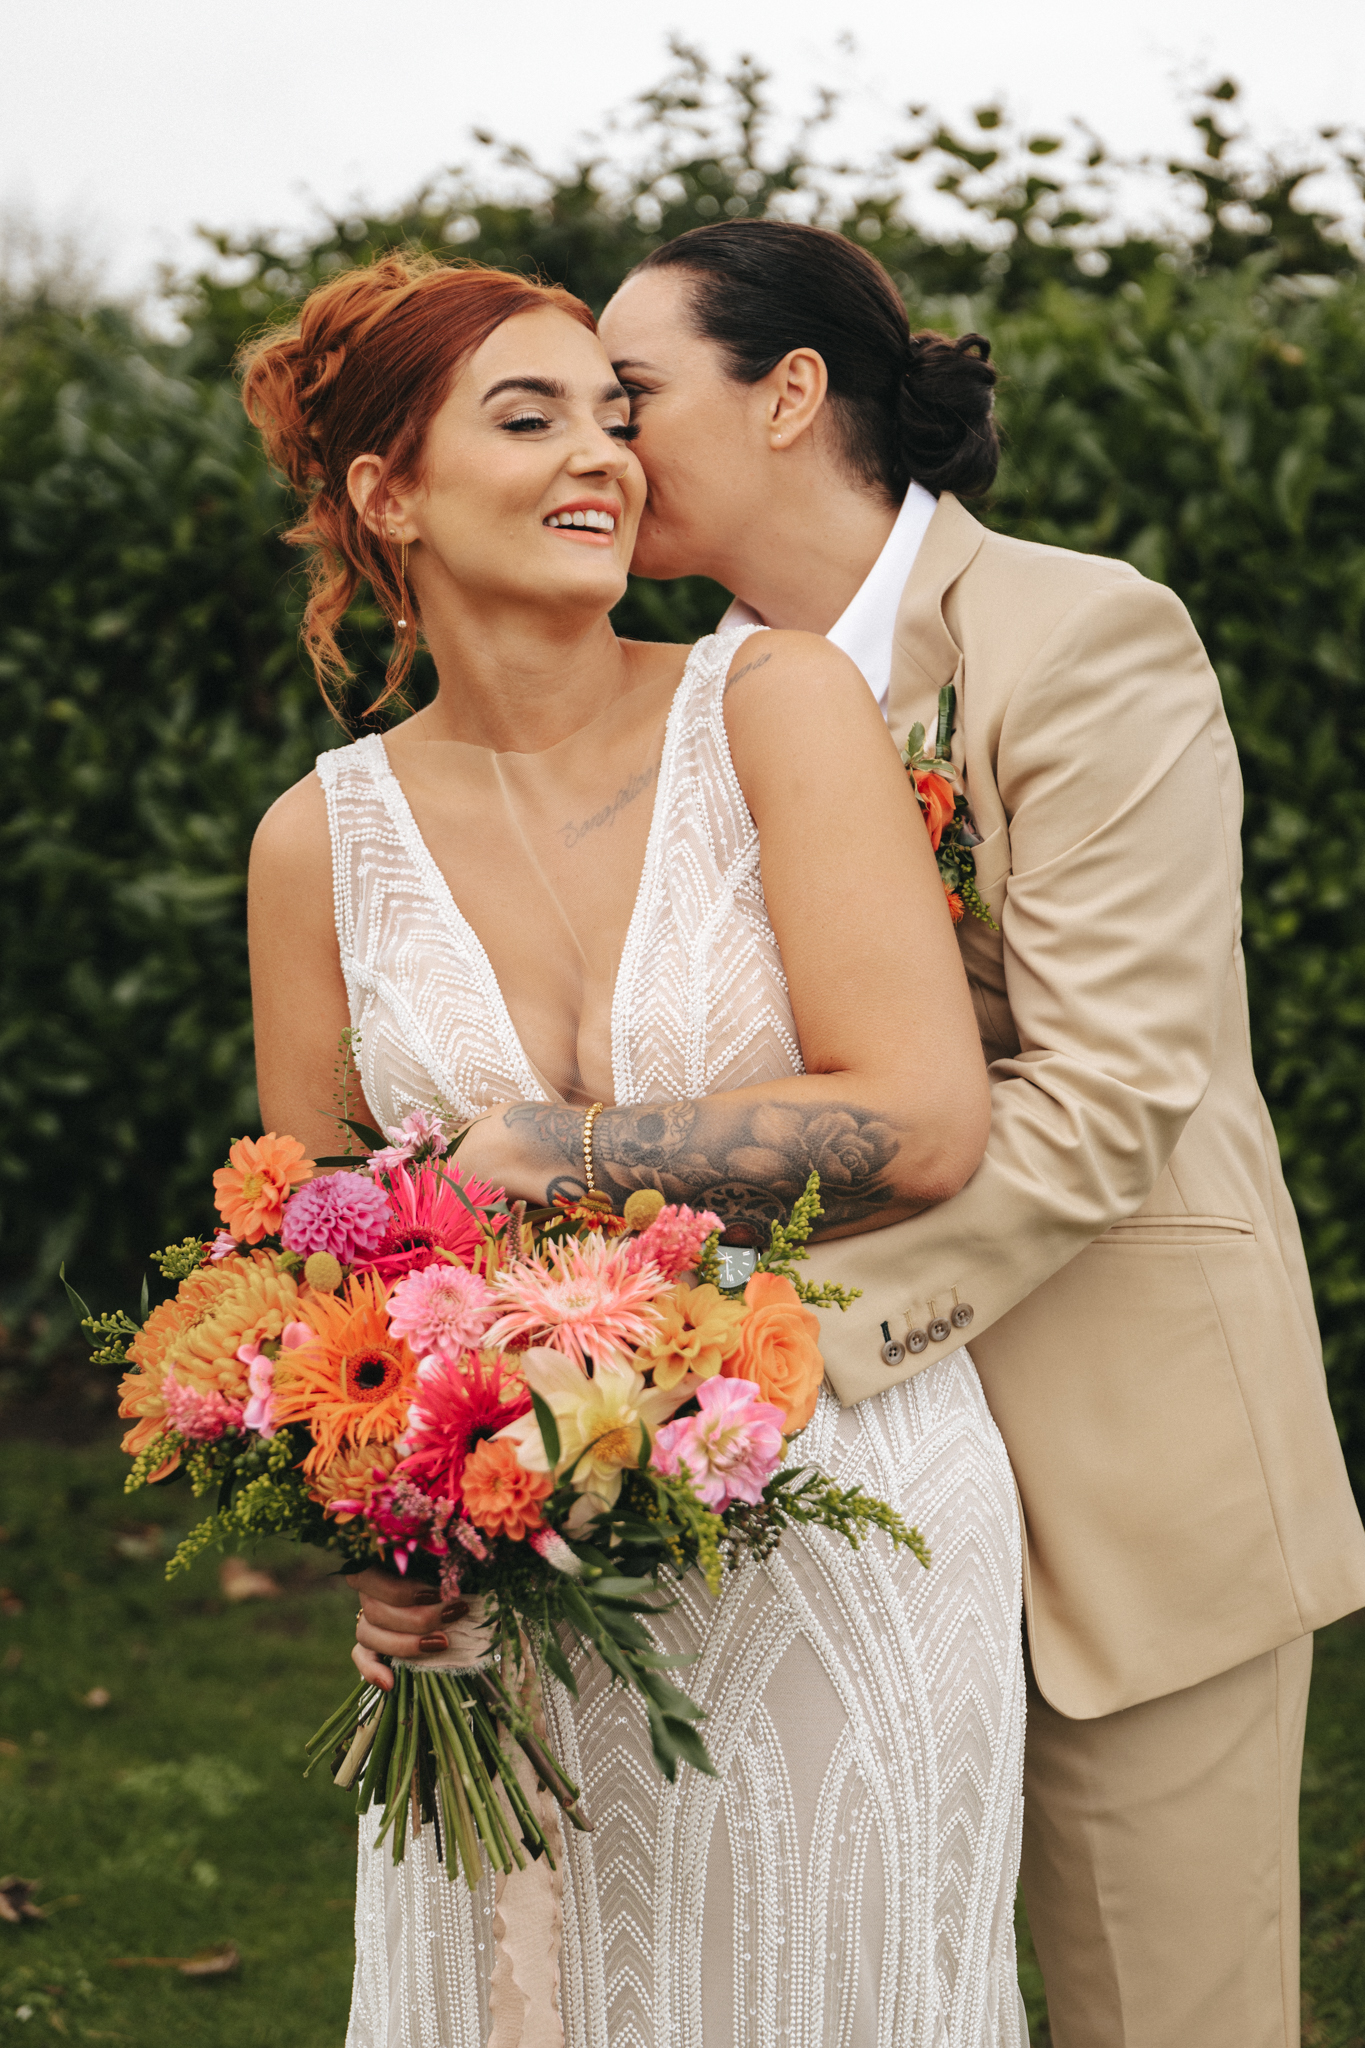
866,628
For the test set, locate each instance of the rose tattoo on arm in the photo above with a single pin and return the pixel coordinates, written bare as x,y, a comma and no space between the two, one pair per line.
749,1164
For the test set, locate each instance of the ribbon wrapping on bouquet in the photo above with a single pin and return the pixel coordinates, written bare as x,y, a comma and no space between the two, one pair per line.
528,1909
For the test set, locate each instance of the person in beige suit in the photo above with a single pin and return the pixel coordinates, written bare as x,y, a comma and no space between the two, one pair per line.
1125,1263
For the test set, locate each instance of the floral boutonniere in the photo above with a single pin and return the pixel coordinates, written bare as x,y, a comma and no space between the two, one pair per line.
946,812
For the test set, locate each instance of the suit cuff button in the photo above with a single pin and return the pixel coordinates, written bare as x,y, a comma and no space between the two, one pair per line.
893,1352
962,1315
917,1341
938,1329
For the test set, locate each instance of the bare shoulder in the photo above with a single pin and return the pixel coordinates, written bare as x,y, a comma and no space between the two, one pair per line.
292,839
806,672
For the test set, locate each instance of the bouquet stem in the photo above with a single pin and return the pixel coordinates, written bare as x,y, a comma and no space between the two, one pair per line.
431,1751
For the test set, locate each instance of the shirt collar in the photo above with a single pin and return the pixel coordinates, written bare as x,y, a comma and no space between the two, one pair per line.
866,628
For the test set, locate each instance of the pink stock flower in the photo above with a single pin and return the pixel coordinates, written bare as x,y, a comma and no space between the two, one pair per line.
421,1129
427,1217
441,1311
406,1517
259,1413
730,1450
673,1241
345,1214
466,1534
223,1246
587,1301
199,1417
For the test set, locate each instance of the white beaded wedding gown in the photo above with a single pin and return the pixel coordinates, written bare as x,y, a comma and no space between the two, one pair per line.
848,1879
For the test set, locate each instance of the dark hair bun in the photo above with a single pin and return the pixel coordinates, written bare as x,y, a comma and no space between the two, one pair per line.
945,414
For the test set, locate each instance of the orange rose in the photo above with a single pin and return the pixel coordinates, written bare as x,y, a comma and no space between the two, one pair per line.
500,1496
936,800
250,1193
779,1349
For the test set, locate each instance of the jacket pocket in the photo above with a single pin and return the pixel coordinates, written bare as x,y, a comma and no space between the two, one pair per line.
1196,1233
992,859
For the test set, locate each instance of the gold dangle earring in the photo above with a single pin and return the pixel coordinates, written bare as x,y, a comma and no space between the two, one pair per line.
403,583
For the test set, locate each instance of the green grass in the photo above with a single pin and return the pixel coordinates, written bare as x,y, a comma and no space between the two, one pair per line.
177,1817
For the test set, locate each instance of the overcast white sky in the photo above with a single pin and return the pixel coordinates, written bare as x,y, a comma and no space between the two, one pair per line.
137,120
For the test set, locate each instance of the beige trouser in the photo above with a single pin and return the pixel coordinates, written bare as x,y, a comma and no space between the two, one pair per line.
1161,1862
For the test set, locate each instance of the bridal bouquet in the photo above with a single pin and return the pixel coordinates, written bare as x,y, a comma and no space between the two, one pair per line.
545,1416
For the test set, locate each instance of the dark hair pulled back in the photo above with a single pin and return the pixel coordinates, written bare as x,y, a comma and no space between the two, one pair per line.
907,406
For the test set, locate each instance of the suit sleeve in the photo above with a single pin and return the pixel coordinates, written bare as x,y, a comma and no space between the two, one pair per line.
1119,924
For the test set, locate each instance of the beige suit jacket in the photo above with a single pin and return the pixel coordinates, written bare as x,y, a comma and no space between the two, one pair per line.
1141,1316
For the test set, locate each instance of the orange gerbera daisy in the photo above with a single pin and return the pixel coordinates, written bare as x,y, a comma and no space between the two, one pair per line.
251,1191
353,1384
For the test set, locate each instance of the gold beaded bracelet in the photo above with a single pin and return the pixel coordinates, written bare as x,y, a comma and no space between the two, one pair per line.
589,1120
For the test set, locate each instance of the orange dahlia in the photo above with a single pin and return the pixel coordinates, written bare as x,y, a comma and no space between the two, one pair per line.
251,1191
500,1496
353,1384
197,1334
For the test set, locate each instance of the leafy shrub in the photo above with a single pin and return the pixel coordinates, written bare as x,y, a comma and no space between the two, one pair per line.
1193,401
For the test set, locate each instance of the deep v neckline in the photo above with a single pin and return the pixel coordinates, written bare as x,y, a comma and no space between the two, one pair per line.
458,925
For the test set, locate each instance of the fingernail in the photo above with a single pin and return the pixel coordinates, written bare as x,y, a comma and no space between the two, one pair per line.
435,1641
454,1610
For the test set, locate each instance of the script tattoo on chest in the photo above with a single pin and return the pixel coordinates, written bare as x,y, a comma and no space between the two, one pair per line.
573,833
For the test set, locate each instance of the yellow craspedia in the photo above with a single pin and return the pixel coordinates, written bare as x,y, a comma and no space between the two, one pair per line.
322,1271
642,1207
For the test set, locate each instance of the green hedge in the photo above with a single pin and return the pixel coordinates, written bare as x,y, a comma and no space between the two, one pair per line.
1197,407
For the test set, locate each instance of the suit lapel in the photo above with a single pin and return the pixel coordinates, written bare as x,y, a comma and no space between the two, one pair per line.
925,655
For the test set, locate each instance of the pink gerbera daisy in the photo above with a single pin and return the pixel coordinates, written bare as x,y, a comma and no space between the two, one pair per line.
427,1218
457,1406
441,1311
586,1301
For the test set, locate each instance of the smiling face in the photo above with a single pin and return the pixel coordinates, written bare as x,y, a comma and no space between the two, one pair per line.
528,492
703,434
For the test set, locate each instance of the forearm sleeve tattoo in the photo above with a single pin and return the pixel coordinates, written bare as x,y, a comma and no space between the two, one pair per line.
747,1163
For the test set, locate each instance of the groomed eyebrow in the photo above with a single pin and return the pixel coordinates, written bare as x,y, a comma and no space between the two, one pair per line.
546,387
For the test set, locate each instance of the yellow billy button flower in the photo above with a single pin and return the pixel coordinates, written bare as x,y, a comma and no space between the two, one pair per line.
698,1330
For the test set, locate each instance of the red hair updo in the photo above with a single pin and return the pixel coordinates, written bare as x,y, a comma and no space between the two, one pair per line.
363,370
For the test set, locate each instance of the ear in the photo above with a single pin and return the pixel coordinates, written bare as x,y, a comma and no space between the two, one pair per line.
796,389
385,512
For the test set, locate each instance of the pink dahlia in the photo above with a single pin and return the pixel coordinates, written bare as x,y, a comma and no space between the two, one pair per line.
427,1217
587,1301
730,1450
673,1241
457,1405
200,1417
441,1311
345,1214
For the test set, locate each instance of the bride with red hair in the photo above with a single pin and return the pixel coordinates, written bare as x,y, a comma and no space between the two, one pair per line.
680,899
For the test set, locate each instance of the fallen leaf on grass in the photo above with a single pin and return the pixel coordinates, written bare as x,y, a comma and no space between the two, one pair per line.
96,1698
205,1962
16,1901
10,1603
12,1658
139,1541
8,1748
241,1581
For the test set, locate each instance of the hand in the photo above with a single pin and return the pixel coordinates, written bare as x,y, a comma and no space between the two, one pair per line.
490,1152
398,1618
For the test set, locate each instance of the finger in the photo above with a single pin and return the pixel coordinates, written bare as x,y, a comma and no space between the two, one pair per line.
372,1668
412,1620
392,1643
393,1591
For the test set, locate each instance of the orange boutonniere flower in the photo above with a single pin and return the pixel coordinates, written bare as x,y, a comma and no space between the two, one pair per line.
937,801
779,1349
251,1191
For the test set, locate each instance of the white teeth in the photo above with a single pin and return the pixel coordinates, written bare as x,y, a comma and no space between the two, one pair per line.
598,522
